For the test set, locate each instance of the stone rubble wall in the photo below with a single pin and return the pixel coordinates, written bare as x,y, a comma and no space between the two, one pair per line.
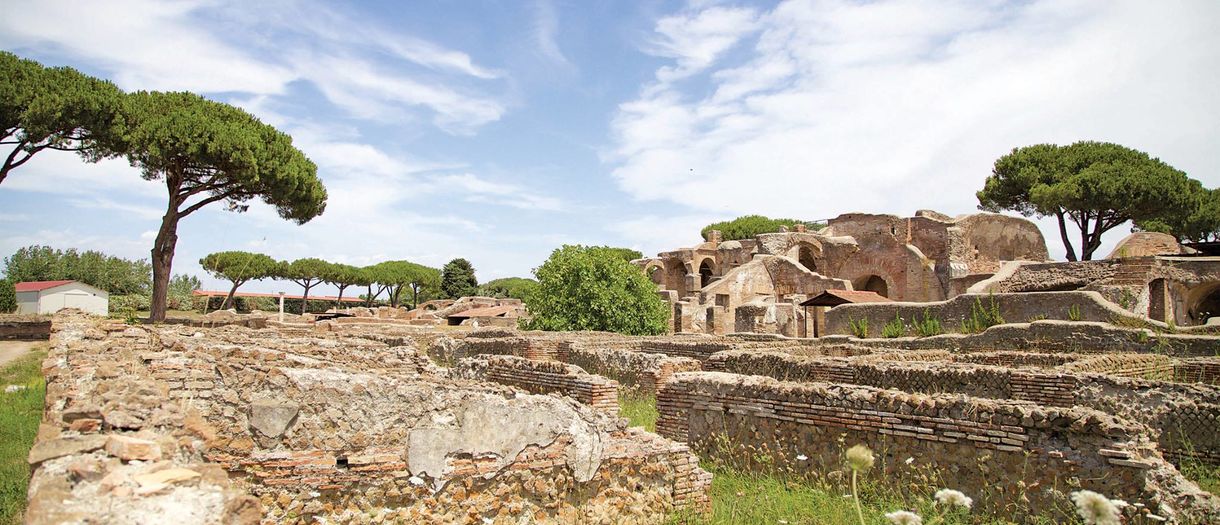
325,428
1013,307
639,370
1145,366
1009,456
1056,276
543,377
1061,337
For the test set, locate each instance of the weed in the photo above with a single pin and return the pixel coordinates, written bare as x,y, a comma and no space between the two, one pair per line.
982,316
927,325
20,413
895,328
1039,317
1074,313
859,328
640,408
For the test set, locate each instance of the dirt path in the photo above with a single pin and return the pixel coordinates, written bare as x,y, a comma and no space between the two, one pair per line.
10,350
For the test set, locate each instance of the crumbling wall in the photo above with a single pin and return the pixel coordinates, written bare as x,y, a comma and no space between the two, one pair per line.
640,370
327,428
543,377
1197,370
1022,455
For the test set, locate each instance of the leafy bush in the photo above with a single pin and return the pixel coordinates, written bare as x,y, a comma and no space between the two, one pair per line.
129,303
927,325
748,226
512,287
8,297
859,328
982,316
595,288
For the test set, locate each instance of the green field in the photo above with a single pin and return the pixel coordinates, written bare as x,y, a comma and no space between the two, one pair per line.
20,413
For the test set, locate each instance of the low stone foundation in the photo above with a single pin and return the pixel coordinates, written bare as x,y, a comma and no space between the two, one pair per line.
639,370
543,377
1011,457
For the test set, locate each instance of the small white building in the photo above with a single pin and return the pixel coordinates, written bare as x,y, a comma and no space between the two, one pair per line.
48,297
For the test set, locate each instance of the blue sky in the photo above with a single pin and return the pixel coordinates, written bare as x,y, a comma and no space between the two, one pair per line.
497,131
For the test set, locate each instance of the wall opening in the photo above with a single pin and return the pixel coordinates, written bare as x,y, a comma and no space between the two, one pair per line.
872,283
705,273
1158,298
805,257
1205,303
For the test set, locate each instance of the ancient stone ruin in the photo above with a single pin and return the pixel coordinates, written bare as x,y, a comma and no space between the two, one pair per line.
1100,375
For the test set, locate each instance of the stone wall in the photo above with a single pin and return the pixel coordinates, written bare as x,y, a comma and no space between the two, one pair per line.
543,377
1014,308
1180,417
1056,276
1061,337
1009,456
325,428
640,370
24,328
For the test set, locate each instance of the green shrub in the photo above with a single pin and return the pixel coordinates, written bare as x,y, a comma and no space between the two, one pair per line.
595,288
895,328
982,316
927,325
859,328
120,304
8,297
750,225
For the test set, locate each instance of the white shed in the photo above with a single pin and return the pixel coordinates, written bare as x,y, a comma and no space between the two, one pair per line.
48,297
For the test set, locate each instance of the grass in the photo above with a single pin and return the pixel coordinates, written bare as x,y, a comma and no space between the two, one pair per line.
640,408
20,413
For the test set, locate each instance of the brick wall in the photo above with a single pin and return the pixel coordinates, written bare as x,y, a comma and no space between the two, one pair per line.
544,377
695,349
1197,370
640,370
990,447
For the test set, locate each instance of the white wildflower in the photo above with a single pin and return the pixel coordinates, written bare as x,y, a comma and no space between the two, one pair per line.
902,517
860,458
1095,509
801,457
953,498
909,461
416,480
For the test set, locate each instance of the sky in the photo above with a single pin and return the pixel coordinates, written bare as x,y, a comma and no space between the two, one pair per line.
498,131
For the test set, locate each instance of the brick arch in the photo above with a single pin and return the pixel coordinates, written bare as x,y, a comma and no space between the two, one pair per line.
860,269
707,268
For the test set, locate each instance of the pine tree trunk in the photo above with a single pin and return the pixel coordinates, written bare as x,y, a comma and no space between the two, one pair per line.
162,261
1063,233
229,298
305,299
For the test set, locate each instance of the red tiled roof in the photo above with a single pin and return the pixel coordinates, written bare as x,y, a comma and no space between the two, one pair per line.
38,286
837,297
212,293
490,311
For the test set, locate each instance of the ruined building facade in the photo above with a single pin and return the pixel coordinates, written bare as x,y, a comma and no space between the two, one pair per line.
928,257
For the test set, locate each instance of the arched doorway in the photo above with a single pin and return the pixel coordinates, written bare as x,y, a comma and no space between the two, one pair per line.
655,273
705,273
872,283
1204,303
805,257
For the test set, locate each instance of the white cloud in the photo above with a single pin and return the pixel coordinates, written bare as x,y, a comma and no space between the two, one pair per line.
894,106
477,189
696,39
546,29
259,49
